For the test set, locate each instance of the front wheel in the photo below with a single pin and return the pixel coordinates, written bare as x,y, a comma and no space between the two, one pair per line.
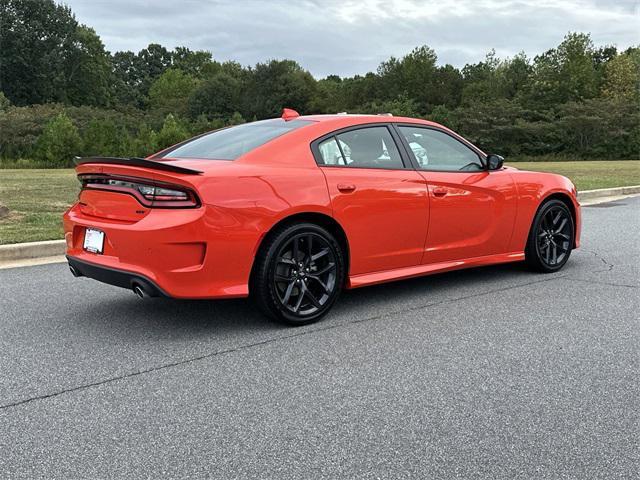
551,237
299,274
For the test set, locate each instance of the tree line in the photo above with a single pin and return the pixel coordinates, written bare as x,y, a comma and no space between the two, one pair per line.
62,94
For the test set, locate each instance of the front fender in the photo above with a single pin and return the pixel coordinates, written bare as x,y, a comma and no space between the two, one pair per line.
534,189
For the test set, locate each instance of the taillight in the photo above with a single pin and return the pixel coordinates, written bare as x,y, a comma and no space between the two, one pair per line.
149,193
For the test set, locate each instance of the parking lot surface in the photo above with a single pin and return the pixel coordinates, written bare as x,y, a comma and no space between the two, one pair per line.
487,373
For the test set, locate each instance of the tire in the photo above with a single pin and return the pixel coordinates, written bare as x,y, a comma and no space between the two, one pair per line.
551,237
298,292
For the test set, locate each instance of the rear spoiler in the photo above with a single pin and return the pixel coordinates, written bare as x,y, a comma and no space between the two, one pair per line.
136,162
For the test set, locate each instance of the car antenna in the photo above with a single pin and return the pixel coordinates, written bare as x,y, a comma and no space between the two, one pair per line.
289,114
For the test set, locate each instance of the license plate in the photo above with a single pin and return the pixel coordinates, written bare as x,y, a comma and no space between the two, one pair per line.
93,240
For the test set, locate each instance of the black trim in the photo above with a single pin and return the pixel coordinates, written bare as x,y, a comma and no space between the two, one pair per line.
315,150
116,277
137,162
411,156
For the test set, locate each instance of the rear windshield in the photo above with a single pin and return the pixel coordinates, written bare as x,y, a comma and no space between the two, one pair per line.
230,143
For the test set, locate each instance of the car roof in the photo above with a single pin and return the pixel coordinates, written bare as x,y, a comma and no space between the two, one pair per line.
356,118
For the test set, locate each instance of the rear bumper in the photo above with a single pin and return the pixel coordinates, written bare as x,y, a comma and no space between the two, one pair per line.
190,253
113,276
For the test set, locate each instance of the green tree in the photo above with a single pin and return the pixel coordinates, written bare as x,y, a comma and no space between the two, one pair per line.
170,92
46,56
59,142
445,87
87,70
190,62
328,95
236,119
410,77
600,128
36,38
444,116
513,76
564,74
103,137
126,89
277,84
216,97
4,102
400,106
480,80
622,76
172,132
151,62
145,142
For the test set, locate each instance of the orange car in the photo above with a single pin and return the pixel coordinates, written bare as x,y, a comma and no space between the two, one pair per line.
294,209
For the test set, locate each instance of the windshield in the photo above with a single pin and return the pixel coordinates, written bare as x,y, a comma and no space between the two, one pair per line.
233,142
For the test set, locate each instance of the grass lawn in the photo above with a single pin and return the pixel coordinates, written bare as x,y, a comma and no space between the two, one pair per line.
37,198
589,175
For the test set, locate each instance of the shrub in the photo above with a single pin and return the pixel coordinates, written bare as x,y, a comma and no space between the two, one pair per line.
172,132
170,92
4,102
59,142
105,138
144,143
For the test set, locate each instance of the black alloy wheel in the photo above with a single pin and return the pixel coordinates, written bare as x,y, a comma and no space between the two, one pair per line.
299,274
551,237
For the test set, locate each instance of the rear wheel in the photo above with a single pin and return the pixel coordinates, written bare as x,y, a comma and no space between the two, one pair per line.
551,237
299,274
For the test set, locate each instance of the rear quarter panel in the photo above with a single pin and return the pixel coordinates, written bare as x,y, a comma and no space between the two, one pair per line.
245,201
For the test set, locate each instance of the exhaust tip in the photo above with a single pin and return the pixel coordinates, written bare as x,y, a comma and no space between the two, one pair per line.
137,289
74,272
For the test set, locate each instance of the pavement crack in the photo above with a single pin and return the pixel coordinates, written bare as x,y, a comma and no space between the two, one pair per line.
602,259
268,341
599,282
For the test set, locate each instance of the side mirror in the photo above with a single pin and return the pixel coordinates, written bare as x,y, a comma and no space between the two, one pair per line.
494,162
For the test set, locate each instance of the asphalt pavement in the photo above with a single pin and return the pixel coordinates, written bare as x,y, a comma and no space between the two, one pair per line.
487,373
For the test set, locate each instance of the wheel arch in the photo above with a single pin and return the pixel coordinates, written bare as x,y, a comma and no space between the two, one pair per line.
566,199
321,219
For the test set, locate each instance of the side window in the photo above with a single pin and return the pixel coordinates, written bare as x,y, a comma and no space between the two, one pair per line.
369,147
434,150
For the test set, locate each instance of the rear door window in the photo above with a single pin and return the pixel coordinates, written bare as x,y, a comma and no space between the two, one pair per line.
368,147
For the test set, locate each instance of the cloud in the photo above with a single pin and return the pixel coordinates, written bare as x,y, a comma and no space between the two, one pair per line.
348,37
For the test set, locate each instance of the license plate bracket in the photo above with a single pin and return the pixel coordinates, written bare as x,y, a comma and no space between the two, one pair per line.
93,240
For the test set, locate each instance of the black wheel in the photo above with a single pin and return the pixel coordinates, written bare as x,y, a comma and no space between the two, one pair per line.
299,274
551,237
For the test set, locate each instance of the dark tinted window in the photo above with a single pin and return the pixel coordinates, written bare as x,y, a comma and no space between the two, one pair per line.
371,147
230,143
434,150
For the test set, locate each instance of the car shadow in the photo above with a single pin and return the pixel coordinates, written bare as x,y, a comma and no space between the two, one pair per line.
159,318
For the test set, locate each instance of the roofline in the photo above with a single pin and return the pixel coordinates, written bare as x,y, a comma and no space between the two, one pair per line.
382,118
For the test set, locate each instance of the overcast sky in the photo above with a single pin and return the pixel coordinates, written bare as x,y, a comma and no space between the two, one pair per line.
348,37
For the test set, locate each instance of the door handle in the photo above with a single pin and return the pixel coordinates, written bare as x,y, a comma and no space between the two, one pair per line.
439,192
346,187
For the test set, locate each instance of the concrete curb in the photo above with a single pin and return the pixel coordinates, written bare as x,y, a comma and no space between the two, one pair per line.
22,251
13,253
608,192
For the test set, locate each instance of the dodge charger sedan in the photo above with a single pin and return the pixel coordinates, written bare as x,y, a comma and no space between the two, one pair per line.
292,210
